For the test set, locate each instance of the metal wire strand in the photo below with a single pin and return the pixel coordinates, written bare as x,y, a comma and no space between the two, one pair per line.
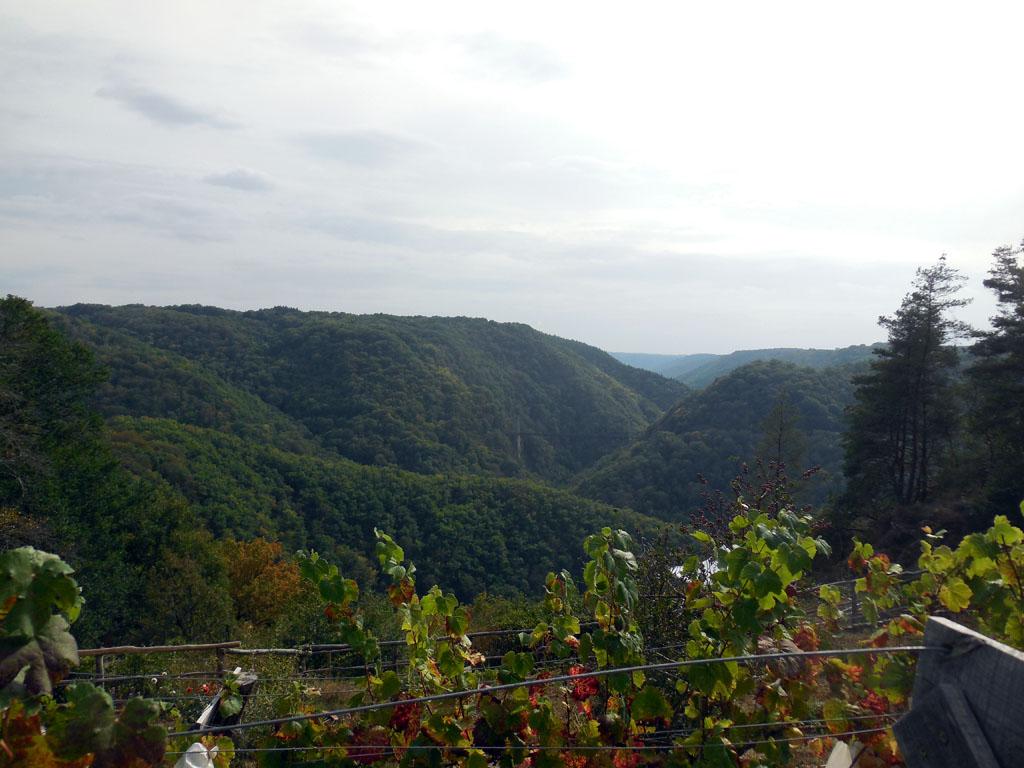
744,659
367,749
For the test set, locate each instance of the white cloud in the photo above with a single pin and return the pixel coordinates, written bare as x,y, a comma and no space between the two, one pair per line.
242,179
160,107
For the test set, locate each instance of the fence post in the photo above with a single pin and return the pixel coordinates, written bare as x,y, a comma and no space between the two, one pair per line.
968,702
220,663
101,671
854,604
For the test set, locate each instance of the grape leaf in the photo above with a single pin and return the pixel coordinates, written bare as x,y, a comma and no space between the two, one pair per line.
651,704
955,595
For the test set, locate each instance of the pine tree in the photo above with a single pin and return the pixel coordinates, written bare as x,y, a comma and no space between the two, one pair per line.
905,413
997,376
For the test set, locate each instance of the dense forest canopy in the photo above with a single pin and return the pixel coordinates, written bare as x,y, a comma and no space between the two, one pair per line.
140,504
713,432
470,533
424,394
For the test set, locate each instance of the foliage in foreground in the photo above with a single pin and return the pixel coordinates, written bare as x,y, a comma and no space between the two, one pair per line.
739,593
39,600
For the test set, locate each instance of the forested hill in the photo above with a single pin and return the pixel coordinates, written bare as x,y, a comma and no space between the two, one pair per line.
699,370
143,507
751,412
426,394
468,533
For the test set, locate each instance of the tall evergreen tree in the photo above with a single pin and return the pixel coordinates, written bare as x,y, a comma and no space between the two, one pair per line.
997,376
905,414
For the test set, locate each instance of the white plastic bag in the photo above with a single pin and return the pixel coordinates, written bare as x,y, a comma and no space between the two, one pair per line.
844,754
197,756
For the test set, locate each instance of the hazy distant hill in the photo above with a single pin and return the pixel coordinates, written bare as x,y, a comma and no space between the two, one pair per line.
699,370
427,394
670,366
710,433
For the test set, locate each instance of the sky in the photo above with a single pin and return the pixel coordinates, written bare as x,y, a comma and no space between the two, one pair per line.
649,177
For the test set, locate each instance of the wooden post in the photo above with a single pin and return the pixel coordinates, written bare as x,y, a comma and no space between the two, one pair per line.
854,604
101,671
122,650
968,702
220,662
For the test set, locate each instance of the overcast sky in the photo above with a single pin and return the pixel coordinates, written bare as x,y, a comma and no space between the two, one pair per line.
658,177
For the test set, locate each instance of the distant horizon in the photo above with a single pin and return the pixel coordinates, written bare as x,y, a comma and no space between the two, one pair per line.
58,307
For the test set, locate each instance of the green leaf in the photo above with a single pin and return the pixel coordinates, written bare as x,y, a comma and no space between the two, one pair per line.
744,612
39,661
595,545
84,724
225,752
1004,533
458,621
619,682
230,704
738,523
135,736
586,647
390,684
834,713
39,584
830,594
898,678
955,595
717,755
335,589
651,704
767,583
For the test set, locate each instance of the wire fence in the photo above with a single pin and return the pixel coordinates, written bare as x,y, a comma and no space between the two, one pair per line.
556,679
333,672
311,680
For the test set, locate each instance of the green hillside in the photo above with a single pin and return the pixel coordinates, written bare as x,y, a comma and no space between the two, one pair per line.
141,506
712,432
424,394
469,534
145,380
